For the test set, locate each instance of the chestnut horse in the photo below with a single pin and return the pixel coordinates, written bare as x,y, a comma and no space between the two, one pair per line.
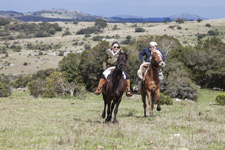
150,85
113,90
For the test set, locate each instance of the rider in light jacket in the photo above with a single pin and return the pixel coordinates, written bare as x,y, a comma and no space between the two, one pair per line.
109,63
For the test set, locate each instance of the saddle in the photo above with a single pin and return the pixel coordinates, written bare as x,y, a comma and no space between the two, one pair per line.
143,70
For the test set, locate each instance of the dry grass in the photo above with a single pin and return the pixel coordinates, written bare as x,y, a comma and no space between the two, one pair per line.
186,34
29,123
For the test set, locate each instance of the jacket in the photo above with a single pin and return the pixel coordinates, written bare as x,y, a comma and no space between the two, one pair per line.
147,53
109,59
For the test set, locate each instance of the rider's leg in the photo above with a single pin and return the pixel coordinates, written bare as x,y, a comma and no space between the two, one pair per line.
100,85
128,91
162,88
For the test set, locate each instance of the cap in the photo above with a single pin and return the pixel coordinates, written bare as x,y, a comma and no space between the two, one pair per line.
153,43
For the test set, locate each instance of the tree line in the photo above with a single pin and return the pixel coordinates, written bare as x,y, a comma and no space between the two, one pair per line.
186,68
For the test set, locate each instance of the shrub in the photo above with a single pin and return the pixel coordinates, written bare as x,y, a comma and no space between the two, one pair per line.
21,81
179,21
87,46
220,98
165,99
25,63
179,28
139,30
67,32
208,25
70,65
89,30
213,33
97,38
5,87
4,21
171,27
36,87
178,84
101,23
199,20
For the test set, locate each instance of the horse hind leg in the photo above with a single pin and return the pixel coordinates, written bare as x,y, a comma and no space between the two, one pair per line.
151,104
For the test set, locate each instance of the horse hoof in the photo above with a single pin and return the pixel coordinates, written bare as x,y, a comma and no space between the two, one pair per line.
115,121
103,116
158,108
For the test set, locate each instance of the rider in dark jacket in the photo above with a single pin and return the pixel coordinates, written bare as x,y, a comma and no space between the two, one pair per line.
148,53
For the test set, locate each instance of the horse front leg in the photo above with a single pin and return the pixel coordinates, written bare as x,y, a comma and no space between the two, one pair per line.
116,109
143,97
158,100
150,103
105,100
109,116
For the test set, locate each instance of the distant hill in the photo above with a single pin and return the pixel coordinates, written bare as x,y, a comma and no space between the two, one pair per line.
71,15
52,15
127,18
136,19
187,16
10,14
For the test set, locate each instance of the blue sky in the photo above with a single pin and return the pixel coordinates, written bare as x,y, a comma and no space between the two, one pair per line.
210,9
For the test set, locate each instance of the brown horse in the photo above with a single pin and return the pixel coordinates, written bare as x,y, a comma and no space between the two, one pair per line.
151,85
114,89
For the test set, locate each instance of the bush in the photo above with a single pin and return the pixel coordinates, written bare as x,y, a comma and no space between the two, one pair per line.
220,98
165,99
21,81
178,84
101,23
208,25
89,30
179,21
70,65
36,87
67,32
139,30
5,87
97,38
199,20
4,21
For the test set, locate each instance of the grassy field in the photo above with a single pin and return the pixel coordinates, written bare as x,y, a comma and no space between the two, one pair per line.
71,123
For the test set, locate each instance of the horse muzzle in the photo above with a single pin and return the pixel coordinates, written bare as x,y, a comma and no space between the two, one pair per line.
162,64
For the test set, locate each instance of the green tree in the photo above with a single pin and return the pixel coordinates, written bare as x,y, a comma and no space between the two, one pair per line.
91,64
70,65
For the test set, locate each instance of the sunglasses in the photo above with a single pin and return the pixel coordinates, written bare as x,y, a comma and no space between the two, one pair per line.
116,47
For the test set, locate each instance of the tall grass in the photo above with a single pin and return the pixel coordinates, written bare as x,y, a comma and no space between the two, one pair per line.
68,124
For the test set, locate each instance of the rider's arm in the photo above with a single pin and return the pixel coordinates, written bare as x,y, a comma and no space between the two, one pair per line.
141,54
105,61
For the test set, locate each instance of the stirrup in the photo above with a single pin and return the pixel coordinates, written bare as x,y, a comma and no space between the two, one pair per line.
97,92
128,95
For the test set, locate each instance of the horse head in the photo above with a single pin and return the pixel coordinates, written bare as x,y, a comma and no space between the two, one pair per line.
121,61
156,58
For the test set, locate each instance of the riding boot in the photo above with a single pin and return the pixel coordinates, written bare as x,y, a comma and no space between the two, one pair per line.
100,86
128,92
162,88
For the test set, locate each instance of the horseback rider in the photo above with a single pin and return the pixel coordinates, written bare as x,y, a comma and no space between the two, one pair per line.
109,63
147,52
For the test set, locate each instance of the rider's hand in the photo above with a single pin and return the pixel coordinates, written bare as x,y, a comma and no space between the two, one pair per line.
143,61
